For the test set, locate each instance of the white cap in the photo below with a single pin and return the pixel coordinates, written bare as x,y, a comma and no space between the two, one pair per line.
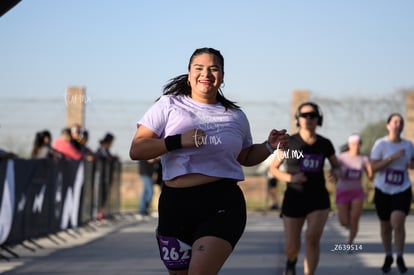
354,137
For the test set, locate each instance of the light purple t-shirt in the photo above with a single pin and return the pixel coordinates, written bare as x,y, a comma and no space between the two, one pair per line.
352,171
394,178
227,133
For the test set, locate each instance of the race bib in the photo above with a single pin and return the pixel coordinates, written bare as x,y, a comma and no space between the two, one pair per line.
174,253
394,177
352,174
311,163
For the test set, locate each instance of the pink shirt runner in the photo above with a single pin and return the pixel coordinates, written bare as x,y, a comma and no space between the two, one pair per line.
352,171
67,149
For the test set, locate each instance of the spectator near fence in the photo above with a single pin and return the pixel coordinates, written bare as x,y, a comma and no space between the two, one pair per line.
147,171
104,147
84,148
272,191
64,145
104,156
76,132
42,146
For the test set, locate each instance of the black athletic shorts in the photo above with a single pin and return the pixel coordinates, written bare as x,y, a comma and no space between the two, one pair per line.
213,209
299,203
386,203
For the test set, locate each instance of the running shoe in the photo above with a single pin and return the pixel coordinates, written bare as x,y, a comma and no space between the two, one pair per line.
401,265
386,267
290,267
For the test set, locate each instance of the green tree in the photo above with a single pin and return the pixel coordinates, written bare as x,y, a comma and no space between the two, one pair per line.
370,134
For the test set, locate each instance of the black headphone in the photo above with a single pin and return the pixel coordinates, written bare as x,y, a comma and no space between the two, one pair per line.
315,107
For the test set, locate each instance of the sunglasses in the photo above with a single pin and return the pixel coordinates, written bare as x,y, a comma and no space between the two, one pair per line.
309,115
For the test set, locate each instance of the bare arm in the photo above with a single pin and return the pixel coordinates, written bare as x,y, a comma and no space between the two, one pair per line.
379,164
411,164
147,145
368,171
275,170
253,155
257,153
335,172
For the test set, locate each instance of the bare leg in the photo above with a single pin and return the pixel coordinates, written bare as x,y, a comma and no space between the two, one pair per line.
208,255
273,197
315,223
398,225
344,214
293,230
356,211
386,235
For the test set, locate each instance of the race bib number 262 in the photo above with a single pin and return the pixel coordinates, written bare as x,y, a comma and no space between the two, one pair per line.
174,253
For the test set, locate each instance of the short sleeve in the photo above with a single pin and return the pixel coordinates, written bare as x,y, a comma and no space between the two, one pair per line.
155,117
412,149
376,153
330,149
248,140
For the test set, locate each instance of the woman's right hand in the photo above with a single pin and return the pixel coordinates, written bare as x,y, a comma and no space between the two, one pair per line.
398,154
193,138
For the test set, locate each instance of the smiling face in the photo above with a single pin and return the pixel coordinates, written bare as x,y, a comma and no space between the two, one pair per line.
205,76
395,125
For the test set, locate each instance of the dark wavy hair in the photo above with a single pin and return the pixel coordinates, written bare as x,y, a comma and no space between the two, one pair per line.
178,85
40,141
393,115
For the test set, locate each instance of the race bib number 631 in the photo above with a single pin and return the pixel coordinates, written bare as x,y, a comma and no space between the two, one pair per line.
311,163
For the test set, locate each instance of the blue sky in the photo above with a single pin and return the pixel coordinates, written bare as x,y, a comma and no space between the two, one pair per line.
130,48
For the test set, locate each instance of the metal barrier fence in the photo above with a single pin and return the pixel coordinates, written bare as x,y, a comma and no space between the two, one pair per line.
39,197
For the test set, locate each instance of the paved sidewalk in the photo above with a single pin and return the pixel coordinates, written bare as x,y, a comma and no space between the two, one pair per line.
128,246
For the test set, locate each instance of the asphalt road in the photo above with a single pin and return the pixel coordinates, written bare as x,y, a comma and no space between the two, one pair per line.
127,246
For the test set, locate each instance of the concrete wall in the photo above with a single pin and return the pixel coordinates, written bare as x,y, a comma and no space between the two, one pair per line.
409,122
298,97
75,106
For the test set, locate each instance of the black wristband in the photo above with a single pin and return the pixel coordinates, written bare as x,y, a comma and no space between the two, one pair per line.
173,142
268,147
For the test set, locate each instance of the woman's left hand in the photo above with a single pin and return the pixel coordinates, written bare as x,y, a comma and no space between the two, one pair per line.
278,139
